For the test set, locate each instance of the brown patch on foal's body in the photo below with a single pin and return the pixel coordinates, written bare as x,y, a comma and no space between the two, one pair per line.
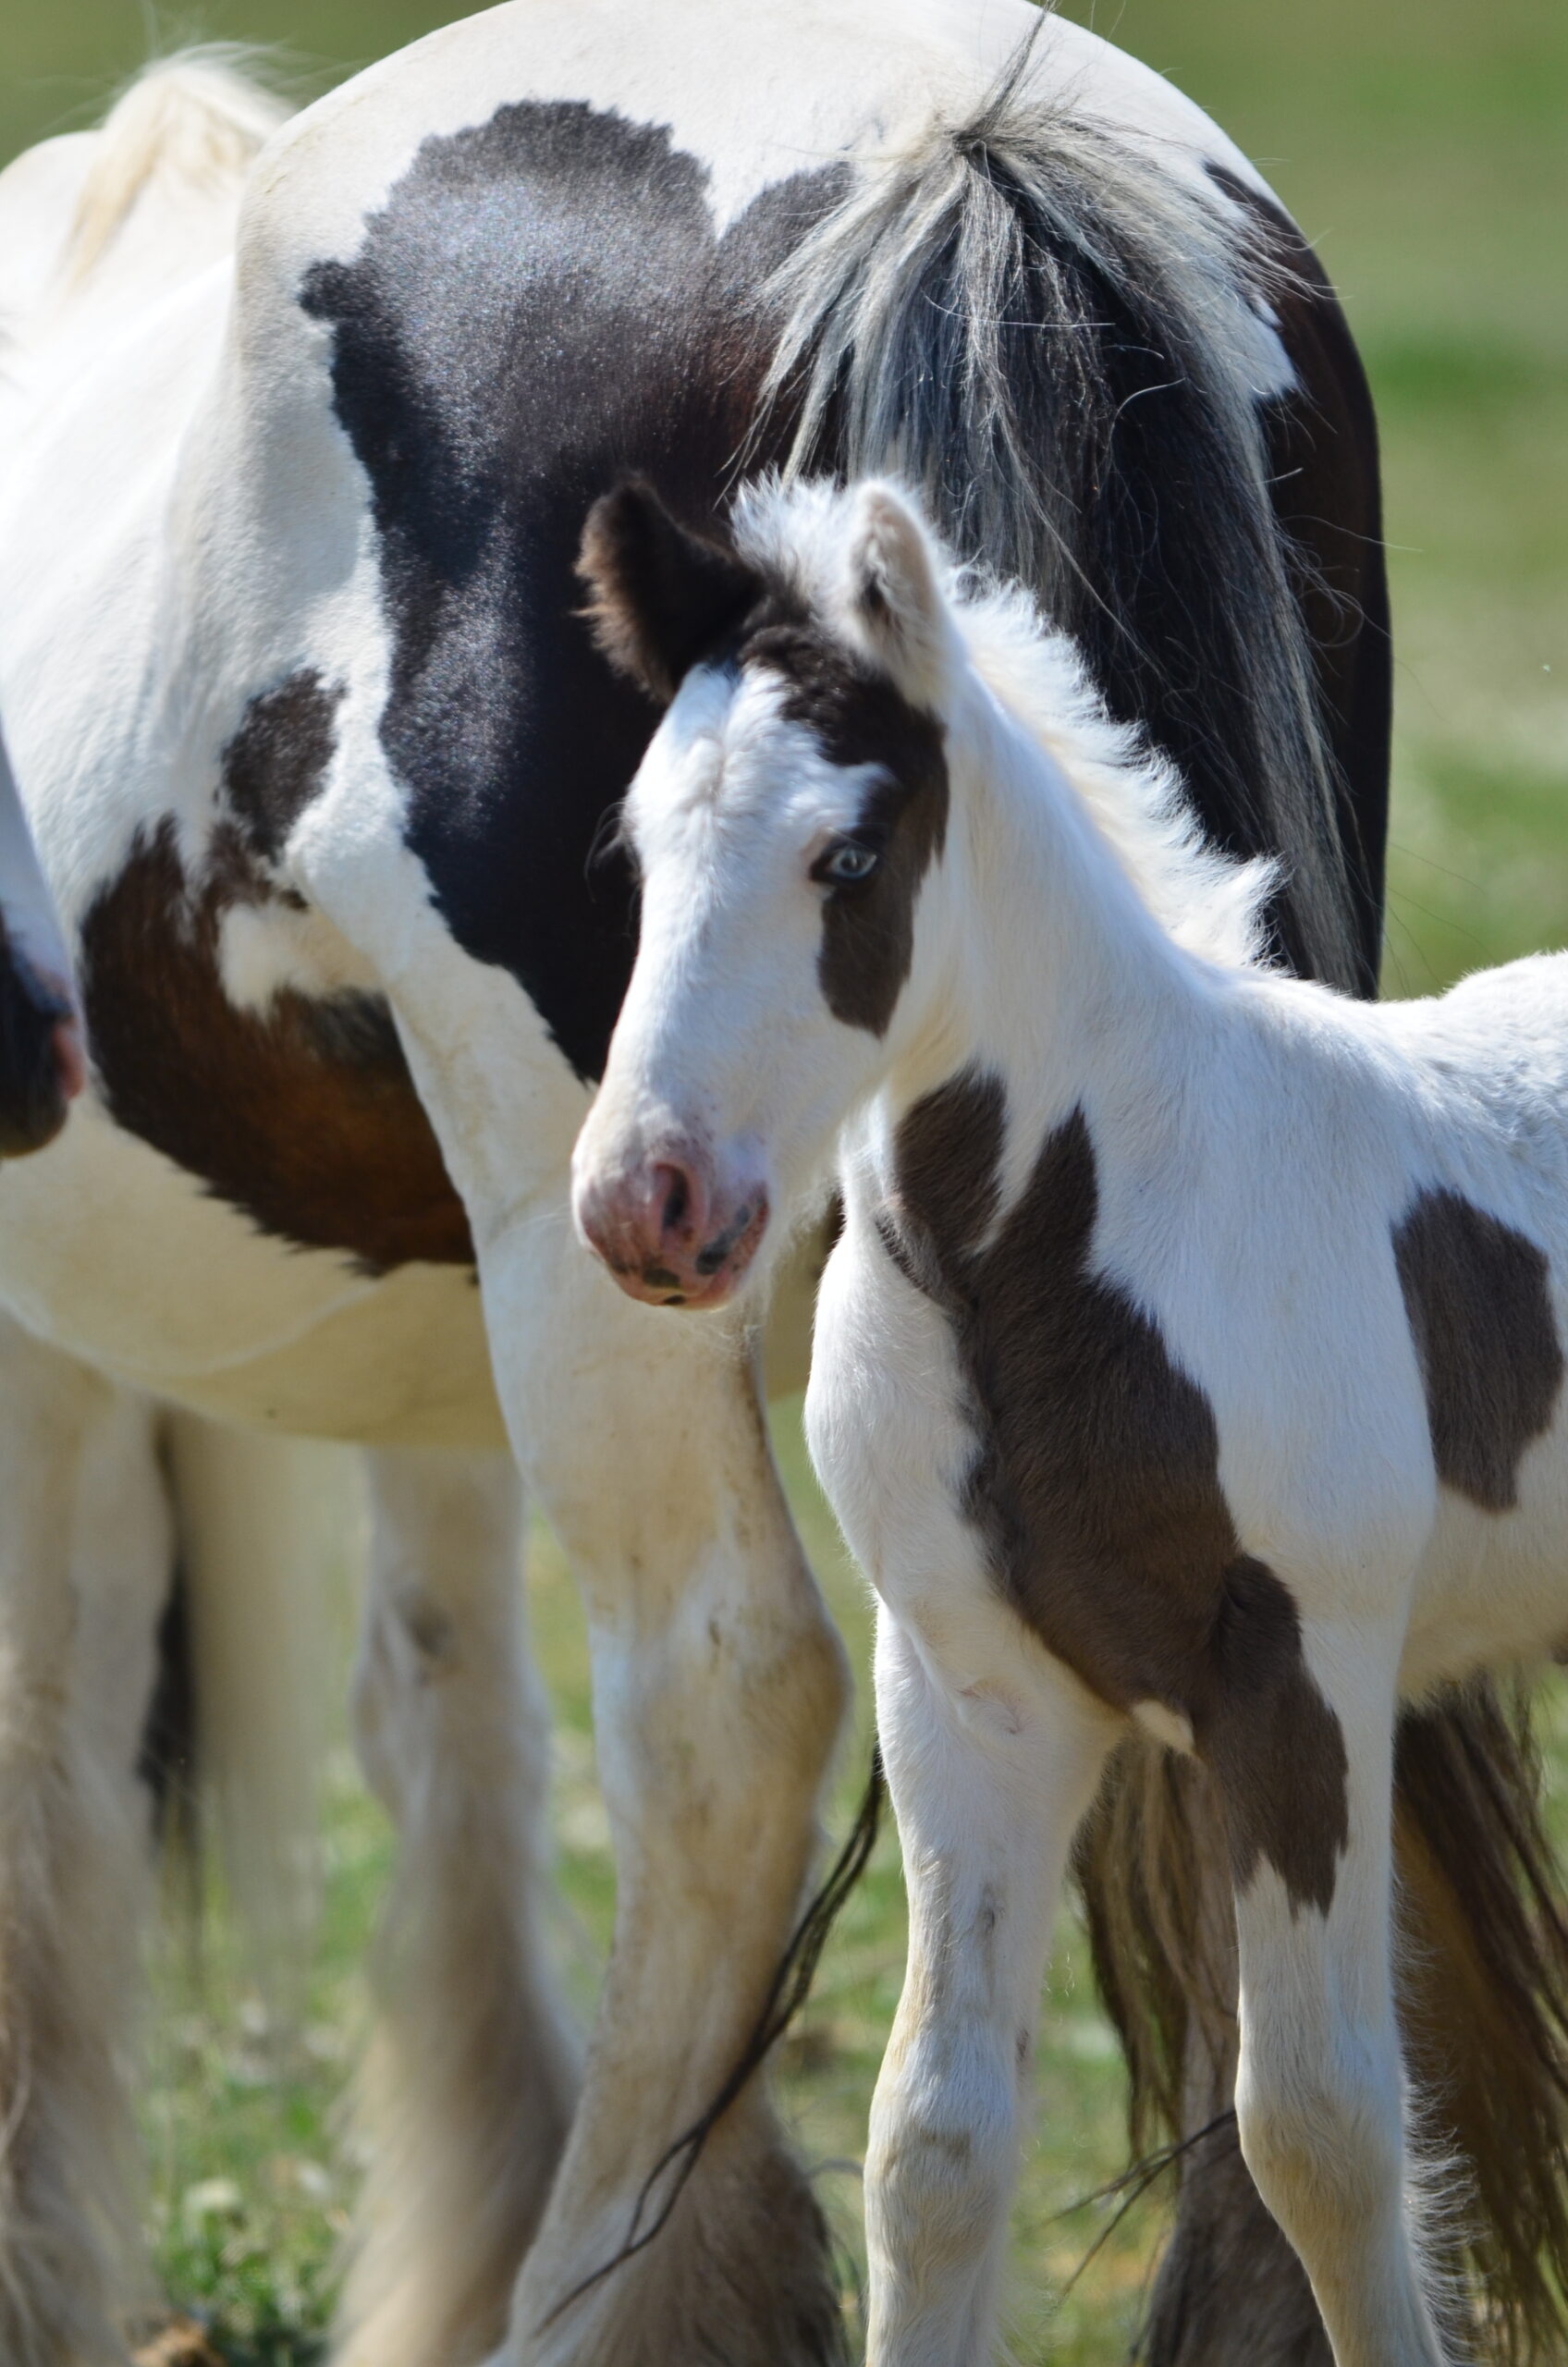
1096,1481
303,1115
1480,1312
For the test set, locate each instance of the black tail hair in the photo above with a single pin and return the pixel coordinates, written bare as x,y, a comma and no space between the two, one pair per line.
1053,332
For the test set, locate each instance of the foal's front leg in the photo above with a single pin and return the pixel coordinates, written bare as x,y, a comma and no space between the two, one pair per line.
990,1775
1320,2091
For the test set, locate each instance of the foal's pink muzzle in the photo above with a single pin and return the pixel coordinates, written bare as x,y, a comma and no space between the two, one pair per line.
670,1232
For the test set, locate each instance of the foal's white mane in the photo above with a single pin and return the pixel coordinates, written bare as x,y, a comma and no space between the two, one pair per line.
1205,901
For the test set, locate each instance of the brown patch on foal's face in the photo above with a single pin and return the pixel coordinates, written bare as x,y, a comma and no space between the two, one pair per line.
303,1115
1095,1480
1476,1293
859,717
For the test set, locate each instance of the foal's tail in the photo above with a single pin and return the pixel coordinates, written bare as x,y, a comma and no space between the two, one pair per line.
1053,330
196,121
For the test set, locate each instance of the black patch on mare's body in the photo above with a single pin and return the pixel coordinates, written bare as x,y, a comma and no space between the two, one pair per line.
540,308
1480,1309
1095,1480
276,761
1325,488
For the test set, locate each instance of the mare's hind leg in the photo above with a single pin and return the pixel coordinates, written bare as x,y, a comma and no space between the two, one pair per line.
718,1684
473,2068
1308,1779
990,1776
84,1562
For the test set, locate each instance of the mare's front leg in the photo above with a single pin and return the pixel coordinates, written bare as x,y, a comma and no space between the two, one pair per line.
718,1687
1305,1767
993,1753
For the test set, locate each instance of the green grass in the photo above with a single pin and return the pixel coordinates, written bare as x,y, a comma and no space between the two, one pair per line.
1423,145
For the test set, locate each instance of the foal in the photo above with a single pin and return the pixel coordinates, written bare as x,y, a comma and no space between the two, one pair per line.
1190,1353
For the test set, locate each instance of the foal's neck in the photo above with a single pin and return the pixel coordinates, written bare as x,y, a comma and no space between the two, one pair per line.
1060,976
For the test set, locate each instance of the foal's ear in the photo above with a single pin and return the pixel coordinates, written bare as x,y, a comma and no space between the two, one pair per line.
659,598
895,594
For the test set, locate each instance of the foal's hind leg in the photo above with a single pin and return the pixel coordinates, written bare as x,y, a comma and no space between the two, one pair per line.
1320,2094
84,1559
473,2068
989,1779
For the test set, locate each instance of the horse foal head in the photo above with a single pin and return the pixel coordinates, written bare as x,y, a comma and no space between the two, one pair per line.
784,822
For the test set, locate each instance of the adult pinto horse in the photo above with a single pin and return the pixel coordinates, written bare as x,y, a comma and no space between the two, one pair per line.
319,757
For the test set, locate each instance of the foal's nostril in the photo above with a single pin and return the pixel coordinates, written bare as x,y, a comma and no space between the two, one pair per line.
679,1196
709,1260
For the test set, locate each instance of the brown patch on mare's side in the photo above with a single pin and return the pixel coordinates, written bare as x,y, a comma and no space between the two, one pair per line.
1476,1294
302,1115
1095,1480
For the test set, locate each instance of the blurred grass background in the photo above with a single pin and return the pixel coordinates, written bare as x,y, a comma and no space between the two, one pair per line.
1424,145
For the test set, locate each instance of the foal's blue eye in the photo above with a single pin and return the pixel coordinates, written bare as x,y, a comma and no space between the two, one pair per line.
847,864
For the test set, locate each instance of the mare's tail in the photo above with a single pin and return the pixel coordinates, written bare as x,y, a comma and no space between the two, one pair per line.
1054,332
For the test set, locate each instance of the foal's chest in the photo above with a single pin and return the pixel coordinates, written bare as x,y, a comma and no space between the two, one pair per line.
1094,1482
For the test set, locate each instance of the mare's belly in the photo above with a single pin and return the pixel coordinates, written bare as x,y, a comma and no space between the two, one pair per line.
112,1252
115,1255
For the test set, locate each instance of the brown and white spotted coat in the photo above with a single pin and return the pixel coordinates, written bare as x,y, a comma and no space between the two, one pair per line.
1191,1354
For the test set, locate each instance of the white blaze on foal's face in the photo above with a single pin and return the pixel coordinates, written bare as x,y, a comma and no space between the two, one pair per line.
784,818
